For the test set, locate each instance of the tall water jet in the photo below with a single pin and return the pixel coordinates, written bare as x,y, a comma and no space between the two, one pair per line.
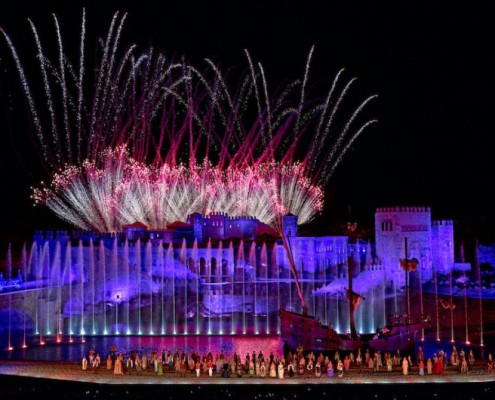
44,254
149,274
138,269
161,268
183,260
117,297
326,265
69,279
126,267
55,280
253,277
81,277
241,264
92,283
195,265
219,281
102,269
170,266
275,273
194,256
208,281
29,266
231,267
264,274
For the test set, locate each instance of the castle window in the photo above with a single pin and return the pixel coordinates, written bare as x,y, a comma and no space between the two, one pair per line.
386,226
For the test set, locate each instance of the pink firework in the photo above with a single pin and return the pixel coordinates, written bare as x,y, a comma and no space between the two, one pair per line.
120,190
153,140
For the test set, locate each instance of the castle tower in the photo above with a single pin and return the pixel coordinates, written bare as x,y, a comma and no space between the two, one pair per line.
442,238
196,220
214,225
289,225
392,226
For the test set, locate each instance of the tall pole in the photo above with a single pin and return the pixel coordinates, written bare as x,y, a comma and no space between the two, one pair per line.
351,227
292,264
407,283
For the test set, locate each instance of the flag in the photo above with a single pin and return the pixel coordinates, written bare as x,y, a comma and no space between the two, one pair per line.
354,297
412,264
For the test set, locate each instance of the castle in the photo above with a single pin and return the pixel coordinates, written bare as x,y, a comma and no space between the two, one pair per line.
431,242
221,274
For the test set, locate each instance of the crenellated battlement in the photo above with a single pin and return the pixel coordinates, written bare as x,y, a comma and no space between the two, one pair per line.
405,209
429,241
215,215
440,222
241,218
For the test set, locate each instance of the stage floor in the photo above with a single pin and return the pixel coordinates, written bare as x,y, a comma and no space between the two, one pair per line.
71,372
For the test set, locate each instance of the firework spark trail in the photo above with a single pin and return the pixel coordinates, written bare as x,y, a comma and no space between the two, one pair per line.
98,86
63,83
335,155
159,139
313,150
47,87
27,93
123,191
80,85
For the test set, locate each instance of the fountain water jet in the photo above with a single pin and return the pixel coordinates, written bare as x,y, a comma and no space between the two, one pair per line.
208,281
126,267
219,281
149,273
102,269
264,273
139,275
231,266
241,264
69,279
161,268
169,261
252,267
182,260
80,265
197,272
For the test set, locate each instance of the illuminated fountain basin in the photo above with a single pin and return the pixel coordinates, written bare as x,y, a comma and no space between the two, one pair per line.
75,290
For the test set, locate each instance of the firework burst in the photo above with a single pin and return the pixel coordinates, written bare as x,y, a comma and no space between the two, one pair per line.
153,140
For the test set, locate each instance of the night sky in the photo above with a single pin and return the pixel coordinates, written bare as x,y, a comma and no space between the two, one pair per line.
432,65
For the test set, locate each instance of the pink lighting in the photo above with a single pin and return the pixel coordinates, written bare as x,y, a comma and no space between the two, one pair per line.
207,145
